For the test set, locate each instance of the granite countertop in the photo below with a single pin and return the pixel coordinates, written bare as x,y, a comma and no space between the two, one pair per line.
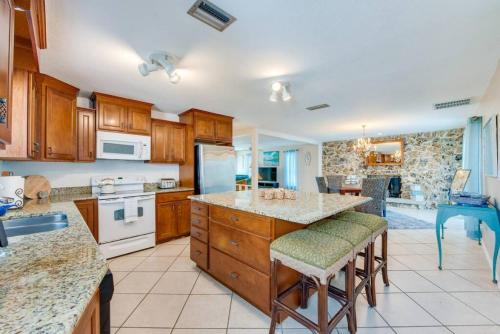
47,279
306,209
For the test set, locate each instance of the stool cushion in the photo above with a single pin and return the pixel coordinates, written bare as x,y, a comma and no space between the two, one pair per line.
375,223
312,253
357,235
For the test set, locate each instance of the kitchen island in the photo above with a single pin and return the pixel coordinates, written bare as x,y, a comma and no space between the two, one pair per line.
231,234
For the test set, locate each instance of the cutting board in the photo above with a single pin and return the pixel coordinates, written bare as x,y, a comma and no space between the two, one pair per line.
35,184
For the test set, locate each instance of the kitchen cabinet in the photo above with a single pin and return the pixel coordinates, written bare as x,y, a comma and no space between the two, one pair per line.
7,18
86,134
88,210
89,322
168,142
56,109
172,215
121,114
209,127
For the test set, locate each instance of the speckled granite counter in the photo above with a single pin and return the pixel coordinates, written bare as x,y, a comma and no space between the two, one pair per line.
47,279
306,209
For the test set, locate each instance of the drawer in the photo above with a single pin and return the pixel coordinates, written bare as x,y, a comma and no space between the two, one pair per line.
245,221
247,248
199,208
199,221
249,283
173,196
199,234
199,253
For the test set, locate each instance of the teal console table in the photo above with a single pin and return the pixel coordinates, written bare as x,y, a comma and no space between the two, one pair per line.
487,215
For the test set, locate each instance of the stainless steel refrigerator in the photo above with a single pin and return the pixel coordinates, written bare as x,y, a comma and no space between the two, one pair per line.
215,169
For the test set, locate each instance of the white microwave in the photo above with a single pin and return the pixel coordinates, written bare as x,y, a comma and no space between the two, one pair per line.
122,146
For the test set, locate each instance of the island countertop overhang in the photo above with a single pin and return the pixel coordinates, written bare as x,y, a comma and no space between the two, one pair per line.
306,209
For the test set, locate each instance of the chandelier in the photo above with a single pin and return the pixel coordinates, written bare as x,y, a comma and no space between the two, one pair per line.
363,145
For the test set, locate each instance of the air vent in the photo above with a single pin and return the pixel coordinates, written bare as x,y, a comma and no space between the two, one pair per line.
207,12
317,107
452,104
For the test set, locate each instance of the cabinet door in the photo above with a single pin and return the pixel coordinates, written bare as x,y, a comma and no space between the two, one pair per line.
88,210
112,116
184,217
60,124
176,148
204,127
159,133
89,322
86,135
166,221
224,130
6,67
139,121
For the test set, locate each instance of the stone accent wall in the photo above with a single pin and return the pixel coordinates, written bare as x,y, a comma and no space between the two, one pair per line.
430,159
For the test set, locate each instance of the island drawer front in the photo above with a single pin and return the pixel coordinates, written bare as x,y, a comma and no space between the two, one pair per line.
199,234
199,221
246,247
249,222
249,283
199,253
199,208
172,196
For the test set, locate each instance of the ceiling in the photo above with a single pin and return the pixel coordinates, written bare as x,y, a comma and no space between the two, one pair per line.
379,63
265,142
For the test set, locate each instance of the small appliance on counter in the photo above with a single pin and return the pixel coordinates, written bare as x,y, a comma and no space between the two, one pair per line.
167,183
13,187
107,186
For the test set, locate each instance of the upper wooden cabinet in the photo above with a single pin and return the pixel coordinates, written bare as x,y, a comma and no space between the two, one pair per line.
56,111
168,142
122,115
86,134
209,127
7,18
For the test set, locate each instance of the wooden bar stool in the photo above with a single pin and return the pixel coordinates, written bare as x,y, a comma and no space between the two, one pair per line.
317,256
378,226
360,239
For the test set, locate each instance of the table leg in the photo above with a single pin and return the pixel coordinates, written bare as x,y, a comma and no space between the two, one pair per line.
438,238
495,256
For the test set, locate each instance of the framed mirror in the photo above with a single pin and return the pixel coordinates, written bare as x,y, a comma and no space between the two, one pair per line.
386,153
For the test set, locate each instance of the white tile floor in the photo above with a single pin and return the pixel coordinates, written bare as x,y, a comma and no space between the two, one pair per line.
160,291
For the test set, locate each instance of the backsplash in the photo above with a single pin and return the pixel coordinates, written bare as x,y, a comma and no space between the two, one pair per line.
430,159
67,174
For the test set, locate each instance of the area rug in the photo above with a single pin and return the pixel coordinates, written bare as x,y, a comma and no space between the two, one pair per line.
398,221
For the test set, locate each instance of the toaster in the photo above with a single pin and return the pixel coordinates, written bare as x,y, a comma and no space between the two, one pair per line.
166,183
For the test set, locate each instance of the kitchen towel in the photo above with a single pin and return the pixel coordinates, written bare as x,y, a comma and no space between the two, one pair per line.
131,210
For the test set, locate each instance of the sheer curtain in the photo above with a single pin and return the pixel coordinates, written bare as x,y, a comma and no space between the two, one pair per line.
291,169
471,159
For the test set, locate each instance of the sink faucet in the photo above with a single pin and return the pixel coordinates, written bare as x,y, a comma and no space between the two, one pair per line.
5,203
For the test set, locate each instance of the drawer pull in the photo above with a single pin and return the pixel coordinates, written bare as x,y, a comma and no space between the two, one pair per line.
234,219
197,252
234,275
234,243
196,221
198,234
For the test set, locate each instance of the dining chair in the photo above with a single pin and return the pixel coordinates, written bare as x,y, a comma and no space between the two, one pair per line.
376,189
322,188
335,183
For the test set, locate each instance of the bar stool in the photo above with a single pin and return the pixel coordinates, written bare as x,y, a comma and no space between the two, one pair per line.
378,226
360,239
318,256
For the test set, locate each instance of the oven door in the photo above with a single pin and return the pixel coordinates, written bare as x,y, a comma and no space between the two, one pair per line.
112,226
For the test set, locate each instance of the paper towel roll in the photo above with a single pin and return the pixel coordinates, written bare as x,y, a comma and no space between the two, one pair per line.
13,186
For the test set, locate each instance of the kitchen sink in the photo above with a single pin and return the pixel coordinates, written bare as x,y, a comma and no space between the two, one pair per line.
35,224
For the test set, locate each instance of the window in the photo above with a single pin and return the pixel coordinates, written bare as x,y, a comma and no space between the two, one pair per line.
243,162
291,169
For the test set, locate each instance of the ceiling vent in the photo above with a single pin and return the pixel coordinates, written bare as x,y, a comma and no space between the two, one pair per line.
452,104
317,107
207,12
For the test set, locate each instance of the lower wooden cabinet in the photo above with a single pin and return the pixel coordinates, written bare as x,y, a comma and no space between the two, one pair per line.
172,215
89,322
88,210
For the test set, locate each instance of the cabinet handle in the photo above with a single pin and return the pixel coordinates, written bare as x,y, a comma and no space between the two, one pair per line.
49,150
198,234
234,219
234,243
36,147
196,221
197,252
234,275
90,154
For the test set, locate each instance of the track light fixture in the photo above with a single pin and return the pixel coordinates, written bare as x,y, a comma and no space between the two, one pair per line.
159,60
280,90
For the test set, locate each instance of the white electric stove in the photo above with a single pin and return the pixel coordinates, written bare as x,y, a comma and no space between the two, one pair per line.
117,235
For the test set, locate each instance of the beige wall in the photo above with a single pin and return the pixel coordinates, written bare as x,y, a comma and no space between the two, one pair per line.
489,106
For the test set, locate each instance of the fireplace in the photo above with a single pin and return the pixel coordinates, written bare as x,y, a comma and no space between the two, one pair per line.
394,188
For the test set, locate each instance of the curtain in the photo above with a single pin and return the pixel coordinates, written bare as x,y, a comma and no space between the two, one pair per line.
291,169
471,159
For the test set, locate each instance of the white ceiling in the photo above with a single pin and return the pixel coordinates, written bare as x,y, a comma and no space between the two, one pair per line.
380,63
